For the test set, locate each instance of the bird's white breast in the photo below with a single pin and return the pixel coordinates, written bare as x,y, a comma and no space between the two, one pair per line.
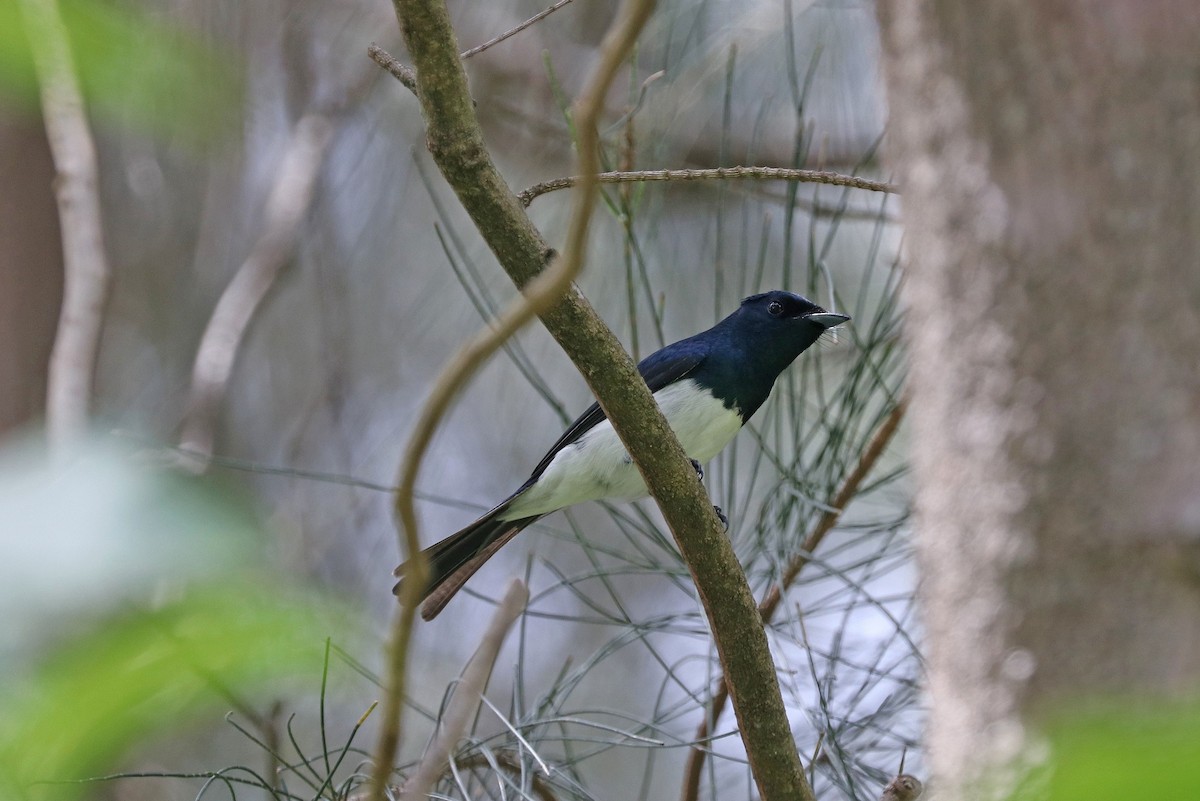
597,466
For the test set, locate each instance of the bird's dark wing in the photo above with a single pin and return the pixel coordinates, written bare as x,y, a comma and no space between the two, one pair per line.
456,558
672,363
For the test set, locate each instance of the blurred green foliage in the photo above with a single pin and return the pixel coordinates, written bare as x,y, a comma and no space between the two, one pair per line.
149,671
134,71
180,619
1131,750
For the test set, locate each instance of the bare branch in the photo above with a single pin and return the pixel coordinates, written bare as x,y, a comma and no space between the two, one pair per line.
716,173
838,504
86,278
287,206
512,31
468,693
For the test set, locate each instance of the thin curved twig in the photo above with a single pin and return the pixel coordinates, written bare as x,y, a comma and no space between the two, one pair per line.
716,173
292,194
474,51
86,270
287,205
767,607
540,294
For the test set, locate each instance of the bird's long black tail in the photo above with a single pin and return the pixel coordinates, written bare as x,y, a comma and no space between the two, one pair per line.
456,558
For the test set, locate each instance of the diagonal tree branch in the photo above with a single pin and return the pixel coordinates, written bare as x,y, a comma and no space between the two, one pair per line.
540,294
849,488
86,277
457,146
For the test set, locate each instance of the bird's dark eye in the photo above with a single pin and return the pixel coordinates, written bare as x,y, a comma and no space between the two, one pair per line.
775,308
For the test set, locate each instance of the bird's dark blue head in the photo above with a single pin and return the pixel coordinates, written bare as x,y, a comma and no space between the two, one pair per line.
758,342
776,327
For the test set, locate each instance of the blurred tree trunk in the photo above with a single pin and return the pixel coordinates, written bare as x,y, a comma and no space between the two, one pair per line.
30,268
1048,154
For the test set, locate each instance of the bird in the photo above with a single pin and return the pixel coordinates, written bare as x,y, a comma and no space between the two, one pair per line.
707,386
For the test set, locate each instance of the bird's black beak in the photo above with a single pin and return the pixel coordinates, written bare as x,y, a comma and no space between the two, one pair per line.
827,320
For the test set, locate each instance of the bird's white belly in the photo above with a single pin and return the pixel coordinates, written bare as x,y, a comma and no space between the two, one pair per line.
597,466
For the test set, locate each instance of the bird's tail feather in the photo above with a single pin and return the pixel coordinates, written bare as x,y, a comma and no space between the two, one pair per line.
456,558
439,596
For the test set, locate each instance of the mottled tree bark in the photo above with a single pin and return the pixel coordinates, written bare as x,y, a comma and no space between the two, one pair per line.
1048,153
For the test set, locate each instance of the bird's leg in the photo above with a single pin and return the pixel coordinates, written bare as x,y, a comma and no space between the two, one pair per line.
721,516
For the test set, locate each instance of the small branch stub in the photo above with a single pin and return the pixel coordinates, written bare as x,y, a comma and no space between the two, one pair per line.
403,74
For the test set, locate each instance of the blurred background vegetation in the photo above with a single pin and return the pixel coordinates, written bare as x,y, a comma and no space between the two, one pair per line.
220,635
195,596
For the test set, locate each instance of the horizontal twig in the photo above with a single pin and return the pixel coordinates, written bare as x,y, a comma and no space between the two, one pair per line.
715,173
